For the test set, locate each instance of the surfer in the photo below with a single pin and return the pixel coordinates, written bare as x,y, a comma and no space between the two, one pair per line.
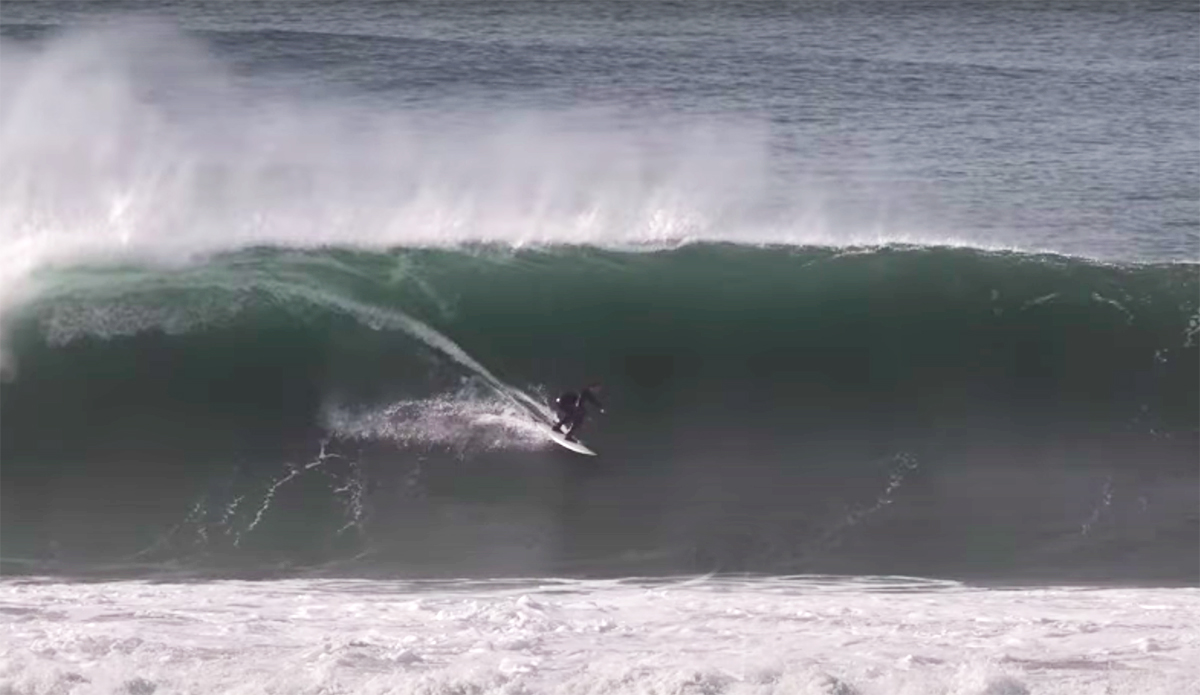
572,408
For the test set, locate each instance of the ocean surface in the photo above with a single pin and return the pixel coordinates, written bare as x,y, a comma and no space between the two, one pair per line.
888,299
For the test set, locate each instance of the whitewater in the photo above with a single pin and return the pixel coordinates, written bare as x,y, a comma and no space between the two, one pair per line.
897,309
818,635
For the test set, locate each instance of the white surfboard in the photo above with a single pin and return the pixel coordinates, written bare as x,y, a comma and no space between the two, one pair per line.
577,447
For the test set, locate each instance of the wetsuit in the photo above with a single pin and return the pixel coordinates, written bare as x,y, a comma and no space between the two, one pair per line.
572,409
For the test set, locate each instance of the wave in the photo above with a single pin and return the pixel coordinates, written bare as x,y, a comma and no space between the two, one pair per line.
890,410
253,323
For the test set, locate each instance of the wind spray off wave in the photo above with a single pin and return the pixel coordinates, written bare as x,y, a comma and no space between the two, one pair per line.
132,139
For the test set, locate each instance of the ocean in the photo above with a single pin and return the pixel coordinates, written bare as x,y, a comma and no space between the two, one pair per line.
896,307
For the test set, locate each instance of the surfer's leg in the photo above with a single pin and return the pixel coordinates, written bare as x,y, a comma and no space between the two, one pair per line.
567,406
576,422
564,417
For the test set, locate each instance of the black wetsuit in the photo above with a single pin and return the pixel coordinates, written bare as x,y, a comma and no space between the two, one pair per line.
571,410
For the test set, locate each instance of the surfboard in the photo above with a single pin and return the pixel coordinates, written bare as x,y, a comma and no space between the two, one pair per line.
577,447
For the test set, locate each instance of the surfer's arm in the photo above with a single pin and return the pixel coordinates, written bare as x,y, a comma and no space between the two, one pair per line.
589,396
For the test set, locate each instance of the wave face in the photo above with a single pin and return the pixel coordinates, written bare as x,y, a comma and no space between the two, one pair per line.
921,411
